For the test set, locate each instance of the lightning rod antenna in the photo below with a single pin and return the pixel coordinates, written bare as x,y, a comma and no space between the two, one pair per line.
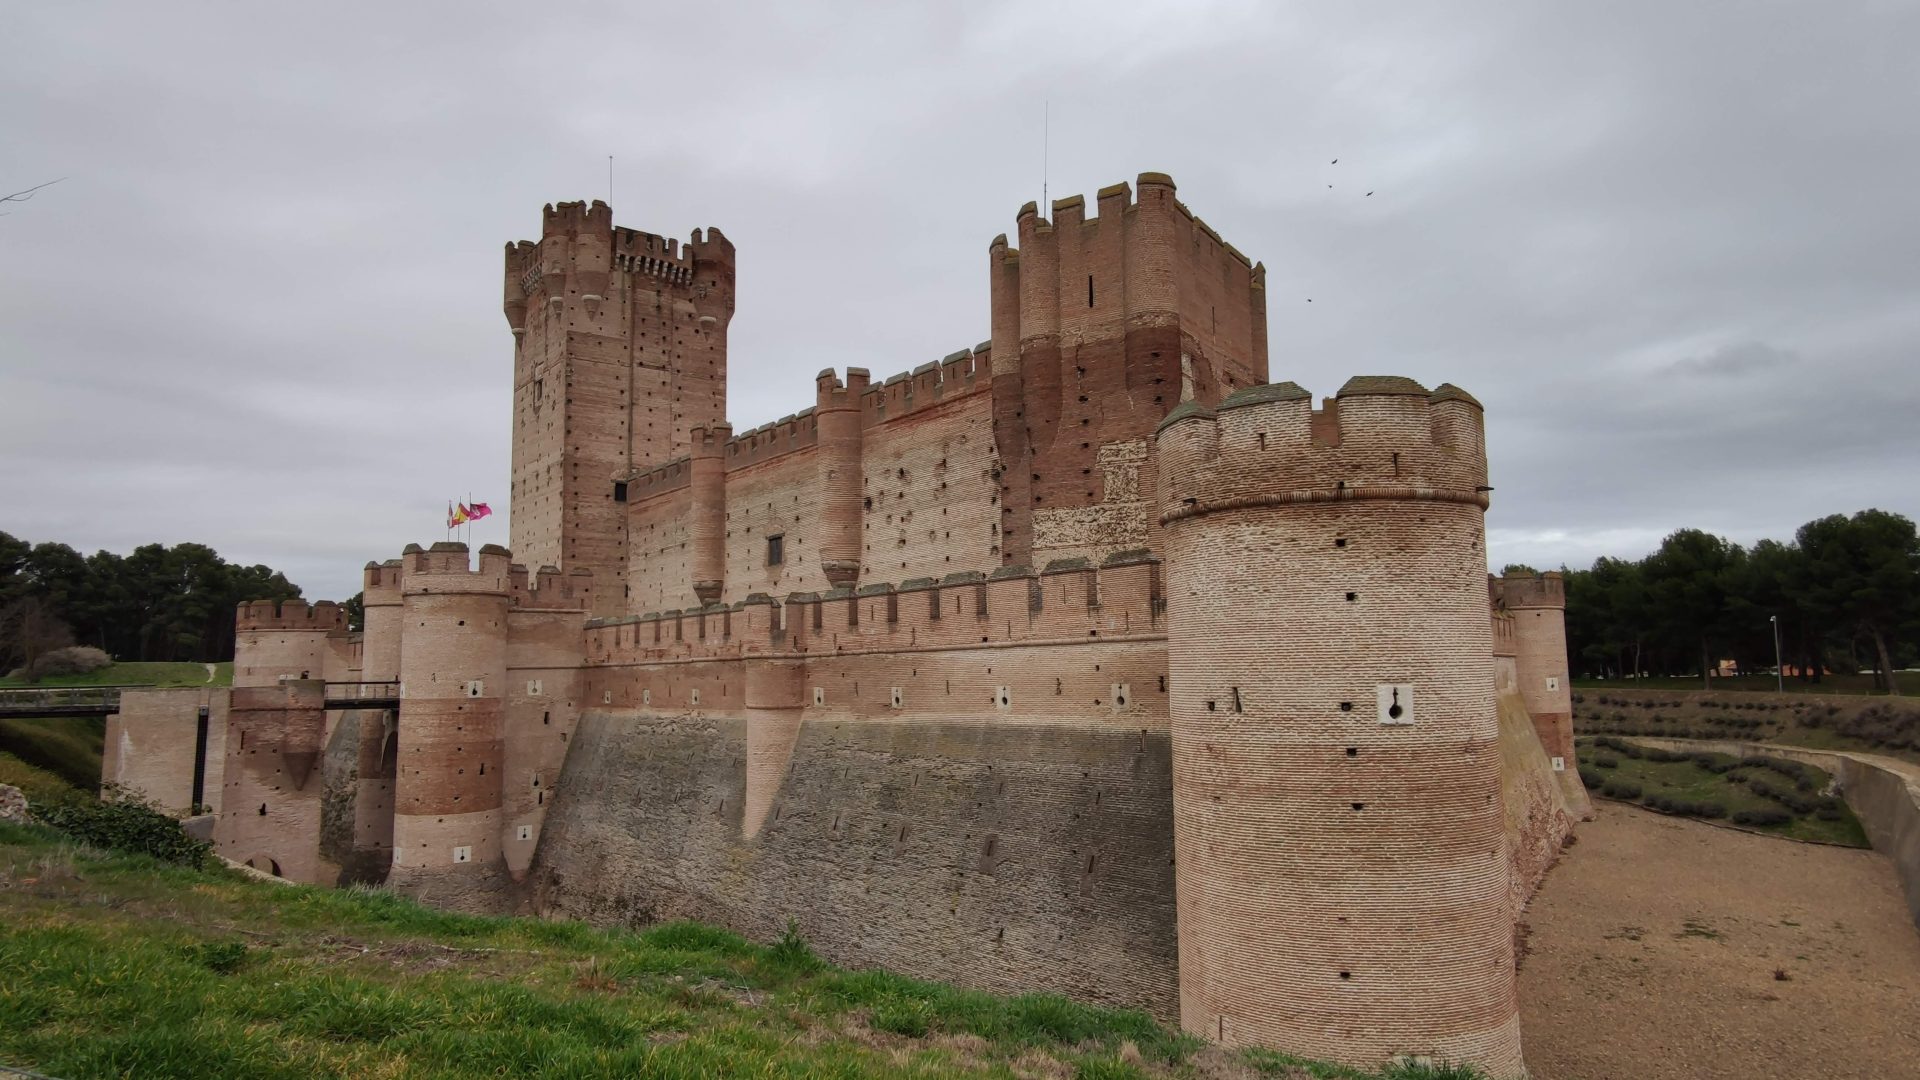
609,179
1046,145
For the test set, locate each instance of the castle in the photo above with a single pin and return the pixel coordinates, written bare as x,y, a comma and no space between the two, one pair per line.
1085,660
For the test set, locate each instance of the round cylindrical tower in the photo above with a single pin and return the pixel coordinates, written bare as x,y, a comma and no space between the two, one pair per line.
382,620
1341,867
837,412
707,527
453,674
1538,603
380,603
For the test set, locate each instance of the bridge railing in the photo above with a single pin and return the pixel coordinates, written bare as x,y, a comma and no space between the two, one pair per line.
58,700
343,694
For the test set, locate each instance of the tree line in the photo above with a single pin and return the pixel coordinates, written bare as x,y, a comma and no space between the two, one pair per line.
1845,589
155,603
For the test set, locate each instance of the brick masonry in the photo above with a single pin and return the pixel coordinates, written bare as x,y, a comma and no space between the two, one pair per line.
948,666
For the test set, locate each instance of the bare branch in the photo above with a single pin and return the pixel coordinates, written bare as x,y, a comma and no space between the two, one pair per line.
28,193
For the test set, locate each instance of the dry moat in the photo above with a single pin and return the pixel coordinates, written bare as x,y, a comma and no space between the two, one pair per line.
1658,946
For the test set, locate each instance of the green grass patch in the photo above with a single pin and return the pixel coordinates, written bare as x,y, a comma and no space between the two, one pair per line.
139,673
1781,797
39,785
68,747
119,965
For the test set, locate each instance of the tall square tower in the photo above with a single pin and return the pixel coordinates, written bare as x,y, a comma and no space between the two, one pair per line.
620,350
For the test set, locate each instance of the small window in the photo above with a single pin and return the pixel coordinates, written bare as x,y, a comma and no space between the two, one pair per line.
776,549
619,491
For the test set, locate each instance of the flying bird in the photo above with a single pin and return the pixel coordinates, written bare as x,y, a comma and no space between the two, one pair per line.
1367,195
1335,161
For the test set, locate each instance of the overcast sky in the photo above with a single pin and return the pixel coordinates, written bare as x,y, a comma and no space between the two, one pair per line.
1674,248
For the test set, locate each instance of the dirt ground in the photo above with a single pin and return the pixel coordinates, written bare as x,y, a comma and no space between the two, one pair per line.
1658,944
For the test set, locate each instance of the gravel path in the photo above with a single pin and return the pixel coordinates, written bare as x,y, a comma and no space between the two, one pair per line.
1655,946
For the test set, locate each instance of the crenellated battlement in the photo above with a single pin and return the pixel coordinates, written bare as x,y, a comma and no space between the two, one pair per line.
550,589
1517,591
381,582
958,374
1070,601
795,431
573,218
579,247
324,616
1381,437
446,568
644,484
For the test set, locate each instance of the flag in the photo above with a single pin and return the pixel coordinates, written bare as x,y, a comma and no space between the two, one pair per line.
477,511
457,514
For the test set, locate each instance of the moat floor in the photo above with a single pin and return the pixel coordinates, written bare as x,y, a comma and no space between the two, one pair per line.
1656,944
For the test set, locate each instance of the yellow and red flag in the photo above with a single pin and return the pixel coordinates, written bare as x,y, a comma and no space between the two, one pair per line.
457,514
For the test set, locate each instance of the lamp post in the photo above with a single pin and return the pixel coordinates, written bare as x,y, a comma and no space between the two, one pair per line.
1779,673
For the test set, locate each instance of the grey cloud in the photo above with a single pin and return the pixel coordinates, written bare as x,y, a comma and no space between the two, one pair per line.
1669,246
1745,358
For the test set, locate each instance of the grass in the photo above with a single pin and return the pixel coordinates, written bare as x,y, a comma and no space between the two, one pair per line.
121,966
65,746
140,673
39,785
1734,790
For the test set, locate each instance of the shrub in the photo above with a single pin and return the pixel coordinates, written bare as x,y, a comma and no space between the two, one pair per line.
1591,779
72,660
792,952
122,822
1711,810
1606,761
1620,789
1761,818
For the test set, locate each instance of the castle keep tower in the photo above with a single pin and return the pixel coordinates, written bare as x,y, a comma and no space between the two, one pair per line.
1100,327
1342,877
453,673
620,354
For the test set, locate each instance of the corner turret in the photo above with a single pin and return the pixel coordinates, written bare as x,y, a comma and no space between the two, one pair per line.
1538,606
1334,737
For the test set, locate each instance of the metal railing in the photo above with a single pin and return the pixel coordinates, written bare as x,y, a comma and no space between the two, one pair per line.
61,700
363,695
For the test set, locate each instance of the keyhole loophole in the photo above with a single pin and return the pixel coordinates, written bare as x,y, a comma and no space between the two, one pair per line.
1394,710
